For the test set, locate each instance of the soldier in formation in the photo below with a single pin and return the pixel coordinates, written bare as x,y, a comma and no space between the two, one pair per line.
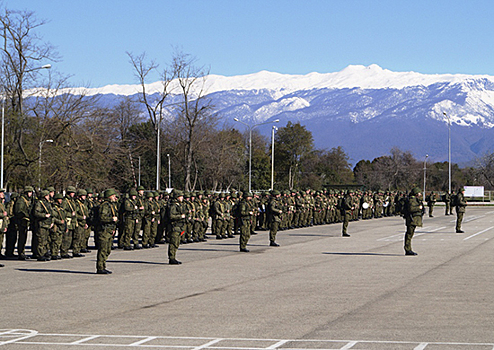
62,225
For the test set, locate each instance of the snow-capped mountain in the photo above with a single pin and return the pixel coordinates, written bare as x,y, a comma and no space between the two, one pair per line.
366,110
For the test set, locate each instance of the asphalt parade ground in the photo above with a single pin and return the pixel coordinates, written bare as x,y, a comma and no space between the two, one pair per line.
318,290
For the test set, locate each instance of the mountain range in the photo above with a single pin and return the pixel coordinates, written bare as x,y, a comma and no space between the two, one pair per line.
367,110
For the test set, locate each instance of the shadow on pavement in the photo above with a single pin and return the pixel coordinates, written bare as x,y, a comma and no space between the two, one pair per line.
136,262
57,271
364,254
306,235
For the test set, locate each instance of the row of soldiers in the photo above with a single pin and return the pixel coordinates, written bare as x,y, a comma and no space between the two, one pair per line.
58,223
61,223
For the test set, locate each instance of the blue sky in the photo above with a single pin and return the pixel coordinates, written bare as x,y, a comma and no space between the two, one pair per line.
235,37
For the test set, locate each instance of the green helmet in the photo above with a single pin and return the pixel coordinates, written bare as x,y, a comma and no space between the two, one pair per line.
81,192
110,192
71,189
415,191
178,193
133,192
58,196
28,189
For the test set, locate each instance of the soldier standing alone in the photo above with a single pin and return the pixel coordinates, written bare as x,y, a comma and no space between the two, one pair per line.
346,211
413,218
461,205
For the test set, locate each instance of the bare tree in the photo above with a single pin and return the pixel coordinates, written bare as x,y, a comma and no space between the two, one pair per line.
154,103
195,109
22,52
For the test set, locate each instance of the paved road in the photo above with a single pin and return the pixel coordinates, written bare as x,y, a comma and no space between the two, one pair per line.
317,291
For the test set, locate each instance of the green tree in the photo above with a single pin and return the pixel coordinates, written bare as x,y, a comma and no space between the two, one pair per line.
293,143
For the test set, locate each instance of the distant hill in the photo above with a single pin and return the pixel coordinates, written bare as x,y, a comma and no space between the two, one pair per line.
366,110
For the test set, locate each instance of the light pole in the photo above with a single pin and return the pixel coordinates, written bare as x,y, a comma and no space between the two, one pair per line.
39,164
158,160
169,172
139,182
449,152
272,156
425,171
46,66
251,127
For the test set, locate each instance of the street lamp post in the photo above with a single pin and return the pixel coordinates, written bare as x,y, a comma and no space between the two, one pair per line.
139,181
449,152
46,66
425,171
251,127
272,156
169,171
39,164
3,137
158,160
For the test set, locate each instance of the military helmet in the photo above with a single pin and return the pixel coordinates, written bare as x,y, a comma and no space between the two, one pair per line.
50,189
110,192
178,193
81,192
71,189
44,193
149,194
275,192
247,194
28,189
58,196
415,191
89,191
140,188
156,194
133,192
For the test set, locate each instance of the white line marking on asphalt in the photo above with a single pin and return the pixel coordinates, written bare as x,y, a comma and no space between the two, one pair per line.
20,335
278,344
478,233
349,345
83,340
23,333
418,233
421,232
212,342
140,342
471,218
386,238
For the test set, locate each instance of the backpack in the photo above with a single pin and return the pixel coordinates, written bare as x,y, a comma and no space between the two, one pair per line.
454,200
402,206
